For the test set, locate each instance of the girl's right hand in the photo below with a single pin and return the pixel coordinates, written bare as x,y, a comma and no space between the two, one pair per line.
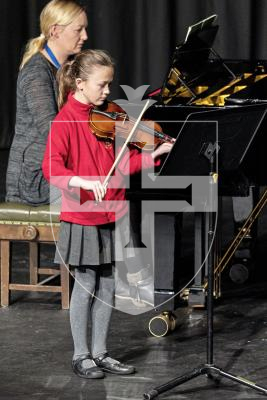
96,187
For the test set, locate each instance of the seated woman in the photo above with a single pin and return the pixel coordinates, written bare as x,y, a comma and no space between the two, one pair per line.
63,26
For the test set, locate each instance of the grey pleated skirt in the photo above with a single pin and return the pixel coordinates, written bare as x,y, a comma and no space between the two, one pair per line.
80,245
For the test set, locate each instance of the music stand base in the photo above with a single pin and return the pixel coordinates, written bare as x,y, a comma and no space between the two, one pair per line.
205,369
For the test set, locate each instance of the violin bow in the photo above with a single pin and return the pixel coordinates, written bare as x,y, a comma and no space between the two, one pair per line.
117,159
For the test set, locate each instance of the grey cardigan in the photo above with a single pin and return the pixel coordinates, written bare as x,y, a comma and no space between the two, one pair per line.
36,108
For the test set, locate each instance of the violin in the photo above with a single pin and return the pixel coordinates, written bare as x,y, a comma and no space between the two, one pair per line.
110,119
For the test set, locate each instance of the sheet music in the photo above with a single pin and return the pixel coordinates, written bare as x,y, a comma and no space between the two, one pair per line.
200,25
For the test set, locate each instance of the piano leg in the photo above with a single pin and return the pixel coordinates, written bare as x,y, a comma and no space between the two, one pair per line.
243,261
167,272
197,296
167,254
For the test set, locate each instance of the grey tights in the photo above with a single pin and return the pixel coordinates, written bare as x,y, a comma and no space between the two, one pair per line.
92,299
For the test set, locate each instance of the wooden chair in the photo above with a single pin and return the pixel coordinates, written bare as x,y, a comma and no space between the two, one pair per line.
34,225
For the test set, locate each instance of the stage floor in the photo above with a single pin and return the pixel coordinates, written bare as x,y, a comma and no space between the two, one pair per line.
36,351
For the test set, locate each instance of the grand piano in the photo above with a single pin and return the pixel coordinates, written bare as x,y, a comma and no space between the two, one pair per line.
200,85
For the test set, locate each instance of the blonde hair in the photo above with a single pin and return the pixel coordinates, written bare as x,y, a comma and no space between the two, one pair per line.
56,12
81,67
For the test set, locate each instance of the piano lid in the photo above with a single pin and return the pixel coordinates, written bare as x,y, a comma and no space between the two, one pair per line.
194,64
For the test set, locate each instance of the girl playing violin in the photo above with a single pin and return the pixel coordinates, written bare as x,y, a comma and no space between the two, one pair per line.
74,161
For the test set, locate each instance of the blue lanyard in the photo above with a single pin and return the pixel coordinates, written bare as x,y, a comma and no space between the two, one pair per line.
52,56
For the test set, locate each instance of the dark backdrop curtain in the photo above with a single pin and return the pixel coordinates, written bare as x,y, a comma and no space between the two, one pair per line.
140,34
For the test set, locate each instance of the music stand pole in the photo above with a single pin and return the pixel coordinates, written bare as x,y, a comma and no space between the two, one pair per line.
209,368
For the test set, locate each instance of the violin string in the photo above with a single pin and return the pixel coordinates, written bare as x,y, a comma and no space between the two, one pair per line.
154,132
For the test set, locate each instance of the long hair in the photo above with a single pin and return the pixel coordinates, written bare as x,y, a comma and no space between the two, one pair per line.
56,12
81,66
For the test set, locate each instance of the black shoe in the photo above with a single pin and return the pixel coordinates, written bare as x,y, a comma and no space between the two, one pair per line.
107,364
87,373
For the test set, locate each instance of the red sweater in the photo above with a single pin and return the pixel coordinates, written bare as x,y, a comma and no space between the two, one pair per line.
73,150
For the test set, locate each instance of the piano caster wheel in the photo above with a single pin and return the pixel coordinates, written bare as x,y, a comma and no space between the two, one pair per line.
162,324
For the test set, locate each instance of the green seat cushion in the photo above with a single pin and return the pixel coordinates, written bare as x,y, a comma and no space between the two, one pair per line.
23,213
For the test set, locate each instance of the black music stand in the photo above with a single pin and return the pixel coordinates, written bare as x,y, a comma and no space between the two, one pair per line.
236,129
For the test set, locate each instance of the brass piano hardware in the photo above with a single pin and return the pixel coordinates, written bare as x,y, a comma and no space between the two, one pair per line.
243,232
197,297
173,77
162,324
259,77
218,97
201,89
181,92
184,294
176,87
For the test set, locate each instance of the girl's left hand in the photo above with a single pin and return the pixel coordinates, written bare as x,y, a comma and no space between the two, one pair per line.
162,149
